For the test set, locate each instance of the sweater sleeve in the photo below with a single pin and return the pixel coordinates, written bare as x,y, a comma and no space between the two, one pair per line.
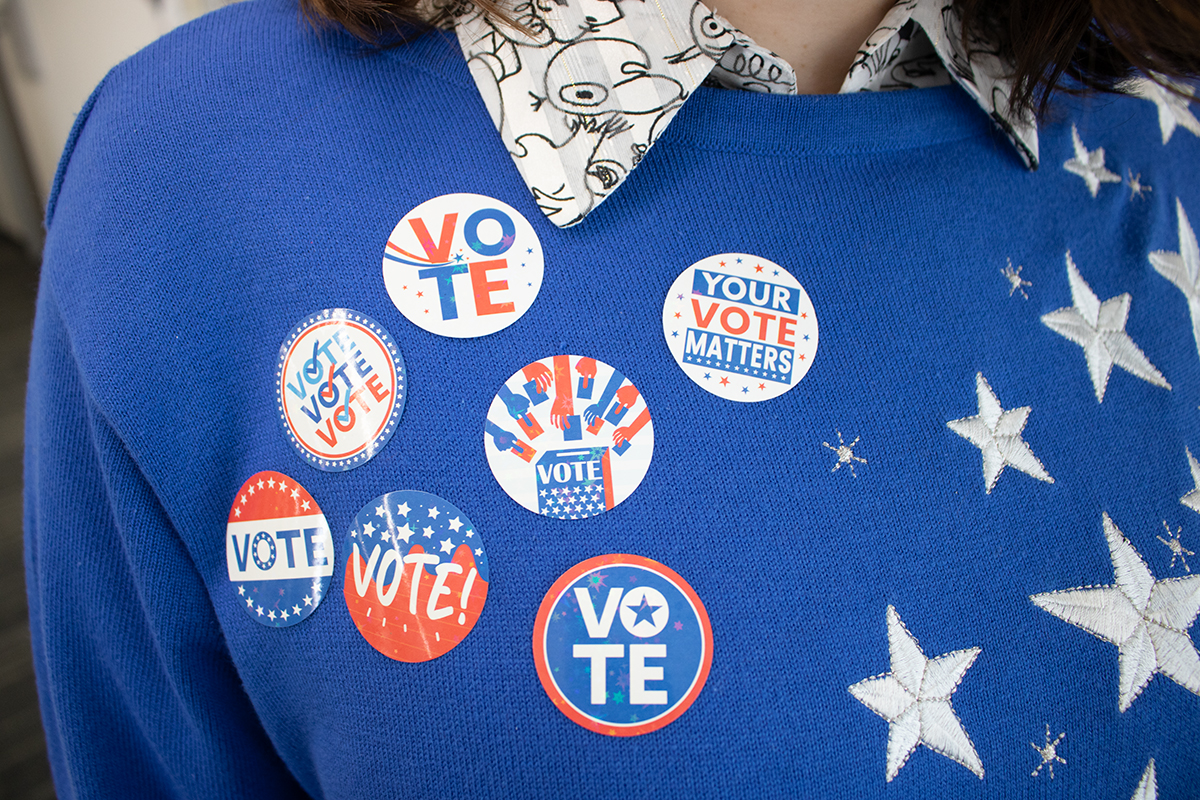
138,692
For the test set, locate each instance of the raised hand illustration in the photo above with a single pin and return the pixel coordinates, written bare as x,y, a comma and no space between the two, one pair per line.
516,404
623,437
592,413
563,409
586,367
538,380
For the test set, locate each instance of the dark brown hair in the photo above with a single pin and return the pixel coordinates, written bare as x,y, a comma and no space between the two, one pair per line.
1071,45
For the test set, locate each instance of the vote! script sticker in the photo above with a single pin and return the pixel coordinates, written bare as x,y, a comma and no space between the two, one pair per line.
741,327
463,265
278,550
568,437
416,575
341,388
622,645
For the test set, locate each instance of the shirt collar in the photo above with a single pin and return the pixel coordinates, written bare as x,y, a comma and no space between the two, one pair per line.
581,98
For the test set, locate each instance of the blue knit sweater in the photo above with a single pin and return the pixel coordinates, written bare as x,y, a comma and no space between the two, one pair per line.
243,172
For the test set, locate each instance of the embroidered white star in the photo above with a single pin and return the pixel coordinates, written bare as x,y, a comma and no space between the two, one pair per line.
1015,282
1192,498
915,700
997,434
845,454
1146,619
1049,753
1089,165
1176,547
1147,788
1183,268
1136,187
1172,108
1099,328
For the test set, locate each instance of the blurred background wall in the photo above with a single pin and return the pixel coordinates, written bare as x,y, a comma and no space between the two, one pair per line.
52,53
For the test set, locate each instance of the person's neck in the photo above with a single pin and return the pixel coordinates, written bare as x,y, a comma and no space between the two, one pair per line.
817,37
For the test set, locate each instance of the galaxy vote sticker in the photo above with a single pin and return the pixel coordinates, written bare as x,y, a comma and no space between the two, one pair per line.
463,265
278,550
341,388
569,437
416,575
740,326
622,645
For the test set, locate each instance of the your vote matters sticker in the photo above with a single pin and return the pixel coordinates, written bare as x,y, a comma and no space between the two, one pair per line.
569,437
416,575
463,265
622,645
340,388
278,550
740,326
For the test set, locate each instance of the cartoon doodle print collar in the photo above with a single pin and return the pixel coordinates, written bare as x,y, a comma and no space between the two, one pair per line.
581,99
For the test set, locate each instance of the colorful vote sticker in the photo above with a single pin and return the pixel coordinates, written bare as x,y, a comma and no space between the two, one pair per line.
741,327
278,550
416,575
568,437
463,265
622,645
341,388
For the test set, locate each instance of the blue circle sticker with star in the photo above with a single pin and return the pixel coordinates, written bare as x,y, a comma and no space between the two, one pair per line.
340,388
416,575
622,645
740,326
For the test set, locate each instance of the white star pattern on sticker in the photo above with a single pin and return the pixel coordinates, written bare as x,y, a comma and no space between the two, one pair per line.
1147,788
1089,165
368,529
295,494
1099,328
282,486
1192,498
455,524
242,590
381,510
1183,268
260,611
478,551
404,532
403,509
1172,107
271,615
305,505
249,602
915,700
237,512
1146,619
447,546
283,615
997,434
260,483
428,532
307,600
433,512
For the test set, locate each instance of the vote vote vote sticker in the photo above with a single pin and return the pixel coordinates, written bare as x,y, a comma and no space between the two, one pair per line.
341,388
278,550
463,265
740,326
416,575
622,645
569,437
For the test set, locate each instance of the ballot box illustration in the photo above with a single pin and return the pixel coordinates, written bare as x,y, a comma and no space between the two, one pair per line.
574,484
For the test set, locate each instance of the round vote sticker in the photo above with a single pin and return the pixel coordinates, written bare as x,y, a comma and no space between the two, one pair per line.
278,550
569,437
740,326
341,388
416,575
622,645
463,265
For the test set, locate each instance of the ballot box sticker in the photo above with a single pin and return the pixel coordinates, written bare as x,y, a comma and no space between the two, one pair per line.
463,265
740,326
340,388
622,645
278,550
568,437
416,575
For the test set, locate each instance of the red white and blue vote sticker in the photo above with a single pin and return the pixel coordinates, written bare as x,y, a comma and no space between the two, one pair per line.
463,265
416,575
622,645
278,550
569,437
341,387
741,327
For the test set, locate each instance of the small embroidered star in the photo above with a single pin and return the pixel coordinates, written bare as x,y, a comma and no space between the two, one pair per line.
845,454
1136,187
1015,281
997,434
1175,546
1183,268
915,700
1089,165
1172,102
1192,498
1146,619
1099,328
1049,753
